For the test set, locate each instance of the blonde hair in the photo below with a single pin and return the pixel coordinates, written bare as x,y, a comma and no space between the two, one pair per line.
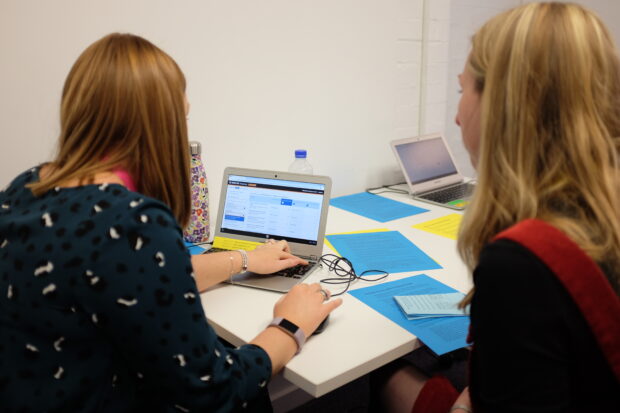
123,106
549,79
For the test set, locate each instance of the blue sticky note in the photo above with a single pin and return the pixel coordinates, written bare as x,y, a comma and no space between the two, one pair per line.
441,335
375,207
431,305
388,251
193,248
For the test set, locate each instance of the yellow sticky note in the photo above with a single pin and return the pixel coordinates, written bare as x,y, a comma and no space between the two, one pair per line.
446,226
329,244
234,244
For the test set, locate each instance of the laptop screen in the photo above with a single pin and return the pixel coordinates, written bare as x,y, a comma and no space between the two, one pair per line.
426,160
273,208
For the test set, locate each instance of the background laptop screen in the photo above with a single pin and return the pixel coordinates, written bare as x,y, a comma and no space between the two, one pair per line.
273,208
426,160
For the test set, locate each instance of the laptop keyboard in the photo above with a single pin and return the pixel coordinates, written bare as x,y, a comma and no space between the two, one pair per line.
297,271
450,193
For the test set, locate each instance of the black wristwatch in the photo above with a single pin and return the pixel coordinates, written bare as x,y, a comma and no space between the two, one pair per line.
291,329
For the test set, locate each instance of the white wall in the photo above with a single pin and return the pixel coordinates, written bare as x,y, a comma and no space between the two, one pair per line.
337,77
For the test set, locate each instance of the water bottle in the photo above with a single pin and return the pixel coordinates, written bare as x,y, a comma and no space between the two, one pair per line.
300,165
198,228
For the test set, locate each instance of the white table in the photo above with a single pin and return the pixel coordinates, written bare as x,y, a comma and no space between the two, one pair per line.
358,339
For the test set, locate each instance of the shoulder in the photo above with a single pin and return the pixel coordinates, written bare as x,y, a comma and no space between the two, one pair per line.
123,212
510,262
125,232
19,182
129,203
508,274
107,213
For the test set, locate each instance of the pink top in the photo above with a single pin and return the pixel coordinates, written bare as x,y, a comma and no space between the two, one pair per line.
126,178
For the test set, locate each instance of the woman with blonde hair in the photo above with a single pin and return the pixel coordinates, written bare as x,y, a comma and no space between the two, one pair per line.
100,306
540,118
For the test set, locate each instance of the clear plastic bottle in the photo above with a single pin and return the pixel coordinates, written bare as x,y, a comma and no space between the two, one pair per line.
300,165
198,228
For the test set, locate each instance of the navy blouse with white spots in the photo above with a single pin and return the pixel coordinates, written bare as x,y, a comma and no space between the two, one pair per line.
99,309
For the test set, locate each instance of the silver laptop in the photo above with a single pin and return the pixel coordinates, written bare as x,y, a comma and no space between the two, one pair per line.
430,171
257,205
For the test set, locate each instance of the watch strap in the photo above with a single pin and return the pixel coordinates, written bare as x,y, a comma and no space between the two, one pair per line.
291,329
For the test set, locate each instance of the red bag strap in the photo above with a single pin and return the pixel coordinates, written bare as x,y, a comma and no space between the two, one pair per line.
582,278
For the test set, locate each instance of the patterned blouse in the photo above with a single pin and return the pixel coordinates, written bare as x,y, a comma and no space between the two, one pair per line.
99,309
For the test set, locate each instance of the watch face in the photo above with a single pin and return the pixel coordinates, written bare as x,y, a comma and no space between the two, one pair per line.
288,325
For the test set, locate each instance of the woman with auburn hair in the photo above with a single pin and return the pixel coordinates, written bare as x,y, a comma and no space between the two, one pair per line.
540,118
100,306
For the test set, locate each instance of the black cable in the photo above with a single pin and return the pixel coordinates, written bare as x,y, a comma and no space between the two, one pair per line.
343,268
388,188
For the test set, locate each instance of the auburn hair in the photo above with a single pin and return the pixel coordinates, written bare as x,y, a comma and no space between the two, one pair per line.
549,78
123,106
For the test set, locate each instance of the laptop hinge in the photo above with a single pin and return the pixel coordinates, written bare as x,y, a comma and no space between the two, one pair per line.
313,258
439,188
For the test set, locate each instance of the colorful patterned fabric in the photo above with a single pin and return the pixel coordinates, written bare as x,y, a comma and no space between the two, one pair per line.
198,229
99,309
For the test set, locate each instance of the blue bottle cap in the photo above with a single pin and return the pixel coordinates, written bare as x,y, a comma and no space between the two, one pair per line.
300,153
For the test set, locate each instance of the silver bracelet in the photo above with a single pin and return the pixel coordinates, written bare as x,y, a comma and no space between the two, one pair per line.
462,407
231,272
244,260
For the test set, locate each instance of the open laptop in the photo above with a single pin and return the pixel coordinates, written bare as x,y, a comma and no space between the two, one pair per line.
257,205
430,171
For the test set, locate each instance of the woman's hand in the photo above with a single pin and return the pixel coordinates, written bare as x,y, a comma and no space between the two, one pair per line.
306,306
210,269
272,257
